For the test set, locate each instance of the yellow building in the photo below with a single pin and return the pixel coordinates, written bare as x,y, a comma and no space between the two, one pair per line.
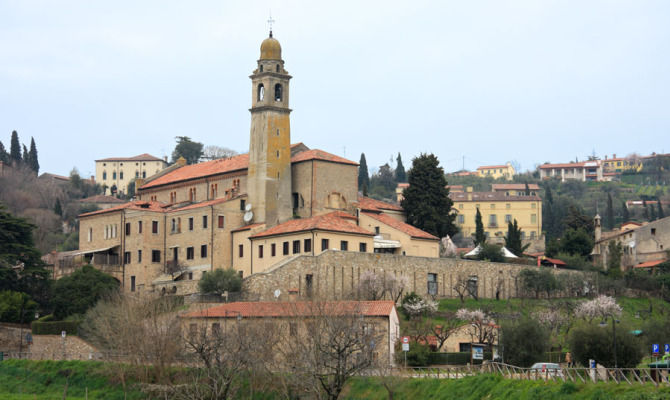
116,173
497,209
497,171
619,164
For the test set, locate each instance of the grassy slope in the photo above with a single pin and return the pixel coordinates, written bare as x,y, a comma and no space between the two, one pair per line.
22,379
492,387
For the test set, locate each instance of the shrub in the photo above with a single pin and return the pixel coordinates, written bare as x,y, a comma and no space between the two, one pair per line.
491,252
55,327
461,358
220,281
76,293
525,342
13,304
596,342
417,356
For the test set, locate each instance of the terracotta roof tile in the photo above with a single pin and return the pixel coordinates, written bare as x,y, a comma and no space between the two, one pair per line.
133,205
193,171
514,186
327,222
297,308
203,204
368,204
141,157
316,154
492,167
401,226
649,264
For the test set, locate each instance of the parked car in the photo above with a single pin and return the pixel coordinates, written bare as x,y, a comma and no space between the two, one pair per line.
546,369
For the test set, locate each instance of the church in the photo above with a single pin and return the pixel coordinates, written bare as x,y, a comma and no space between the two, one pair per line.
250,212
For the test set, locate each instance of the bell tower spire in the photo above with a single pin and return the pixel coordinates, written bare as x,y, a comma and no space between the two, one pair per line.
269,175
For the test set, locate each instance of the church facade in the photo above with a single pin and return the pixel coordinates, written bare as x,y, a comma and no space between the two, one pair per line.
250,212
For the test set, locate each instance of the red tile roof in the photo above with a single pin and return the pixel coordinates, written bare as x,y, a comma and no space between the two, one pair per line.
650,264
492,166
514,186
580,164
401,226
141,157
296,308
133,205
247,227
554,261
317,154
99,198
203,204
368,204
327,222
200,170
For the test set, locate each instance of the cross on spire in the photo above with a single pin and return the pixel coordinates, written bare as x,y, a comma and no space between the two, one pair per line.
270,22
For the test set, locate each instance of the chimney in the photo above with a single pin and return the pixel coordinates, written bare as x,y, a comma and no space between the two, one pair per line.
93,178
293,294
165,158
181,161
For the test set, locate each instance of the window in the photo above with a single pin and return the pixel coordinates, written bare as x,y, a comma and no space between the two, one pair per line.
155,256
221,221
532,235
90,234
132,283
653,231
114,175
493,220
273,249
144,174
139,226
277,67
121,175
104,175
376,231
216,328
461,219
508,206
324,244
190,253
432,284
533,218
278,91
508,218
344,245
204,222
242,204
260,251
137,174
363,247
240,251
154,226
127,228
308,245
260,92
296,246
285,248
533,205
126,257
174,226
190,276
493,206
309,278
190,224
139,256
203,251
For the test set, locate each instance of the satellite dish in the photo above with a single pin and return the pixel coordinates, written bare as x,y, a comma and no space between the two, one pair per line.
277,293
248,216
247,207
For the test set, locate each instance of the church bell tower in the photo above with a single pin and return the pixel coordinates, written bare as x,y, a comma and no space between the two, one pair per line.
269,175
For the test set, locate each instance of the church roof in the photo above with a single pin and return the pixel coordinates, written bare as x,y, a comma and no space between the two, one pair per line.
332,222
401,226
235,163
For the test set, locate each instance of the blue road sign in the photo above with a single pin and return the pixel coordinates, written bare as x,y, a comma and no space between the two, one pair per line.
667,348
655,349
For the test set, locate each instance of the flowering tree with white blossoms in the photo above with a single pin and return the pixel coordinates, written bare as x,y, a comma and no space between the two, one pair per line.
417,306
600,307
484,329
374,286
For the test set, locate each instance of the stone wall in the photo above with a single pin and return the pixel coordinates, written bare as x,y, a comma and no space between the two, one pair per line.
335,275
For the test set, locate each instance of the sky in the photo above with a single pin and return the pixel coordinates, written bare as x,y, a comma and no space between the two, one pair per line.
476,82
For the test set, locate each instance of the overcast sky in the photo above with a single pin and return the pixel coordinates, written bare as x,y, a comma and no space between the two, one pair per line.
491,81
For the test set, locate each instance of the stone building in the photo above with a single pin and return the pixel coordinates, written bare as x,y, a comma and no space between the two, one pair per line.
116,173
249,212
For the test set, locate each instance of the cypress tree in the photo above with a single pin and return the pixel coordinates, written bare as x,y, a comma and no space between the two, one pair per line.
363,175
15,149
32,156
609,213
427,201
4,156
652,213
58,209
480,236
661,213
25,158
625,215
646,210
400,174
527,189
513,239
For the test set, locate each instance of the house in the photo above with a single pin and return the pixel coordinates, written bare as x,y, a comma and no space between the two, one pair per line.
582,171
292,317
497,171
622,164
250,212
516,189
116,173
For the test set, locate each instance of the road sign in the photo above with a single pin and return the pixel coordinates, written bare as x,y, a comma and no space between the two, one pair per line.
477,352
655,349
62,333
405,343
667,348
405,339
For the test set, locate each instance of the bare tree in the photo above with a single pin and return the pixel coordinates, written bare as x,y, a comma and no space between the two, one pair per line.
464,288
482,327
213,152
444,330
376,286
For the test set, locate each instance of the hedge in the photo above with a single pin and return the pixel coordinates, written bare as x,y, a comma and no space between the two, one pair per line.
454,358
55,327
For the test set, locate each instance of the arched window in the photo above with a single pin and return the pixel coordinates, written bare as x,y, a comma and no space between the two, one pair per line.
261,67
261,92
278,92
114,175
277,67
104,175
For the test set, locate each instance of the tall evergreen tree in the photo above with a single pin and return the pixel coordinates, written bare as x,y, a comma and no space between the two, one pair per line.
4,156
480,235
513,239
15,149
32,156
427,201
363,175
625,215
58,208
527,189
609,213
400,175
190,150
646,210
25,156
652,213
661,213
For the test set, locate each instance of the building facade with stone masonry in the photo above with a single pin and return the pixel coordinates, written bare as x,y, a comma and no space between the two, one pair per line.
116,173
248,212
379,318
643,245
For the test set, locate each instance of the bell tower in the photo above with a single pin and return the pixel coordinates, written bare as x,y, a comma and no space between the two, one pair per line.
269,175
